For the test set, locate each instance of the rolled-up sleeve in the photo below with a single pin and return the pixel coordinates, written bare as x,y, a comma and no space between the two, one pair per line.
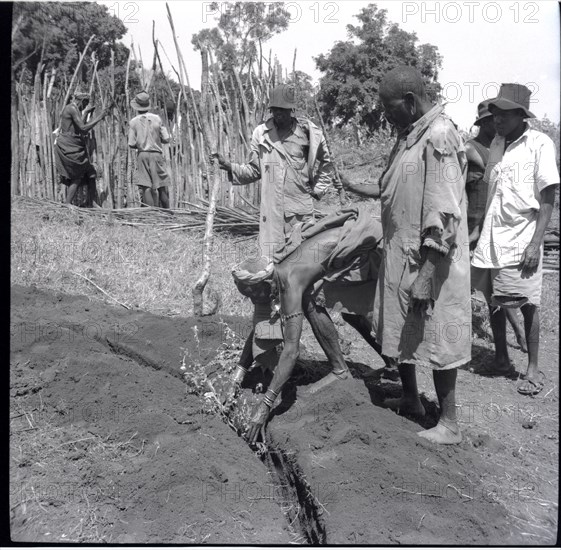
444,188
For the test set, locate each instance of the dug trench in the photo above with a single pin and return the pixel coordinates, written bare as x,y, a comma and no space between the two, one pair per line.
144,462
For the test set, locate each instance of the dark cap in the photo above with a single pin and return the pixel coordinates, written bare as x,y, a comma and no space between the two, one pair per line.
283,97
482,112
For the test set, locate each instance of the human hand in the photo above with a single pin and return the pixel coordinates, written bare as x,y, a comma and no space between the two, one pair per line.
474,238
343,199
530,260
223,164
257,421
421,294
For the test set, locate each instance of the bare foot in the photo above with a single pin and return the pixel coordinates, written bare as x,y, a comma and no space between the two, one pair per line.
327,380
445,434
406,405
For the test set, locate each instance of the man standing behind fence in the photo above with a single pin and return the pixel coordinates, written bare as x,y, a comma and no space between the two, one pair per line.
72,157
146,135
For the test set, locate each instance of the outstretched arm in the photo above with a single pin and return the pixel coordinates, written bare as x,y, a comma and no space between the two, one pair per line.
79,123
242,174
291,304
370,190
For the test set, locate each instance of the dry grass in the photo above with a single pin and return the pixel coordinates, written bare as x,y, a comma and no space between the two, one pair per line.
153,270
143,268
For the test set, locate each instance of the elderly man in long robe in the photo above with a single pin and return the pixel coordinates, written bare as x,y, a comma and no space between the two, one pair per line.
422,310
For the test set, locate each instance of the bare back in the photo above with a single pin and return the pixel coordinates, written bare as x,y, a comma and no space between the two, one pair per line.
303,268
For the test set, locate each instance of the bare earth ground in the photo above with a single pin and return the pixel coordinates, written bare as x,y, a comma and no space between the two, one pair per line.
108,444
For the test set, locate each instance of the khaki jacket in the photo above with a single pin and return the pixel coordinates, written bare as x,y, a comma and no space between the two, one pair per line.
267,162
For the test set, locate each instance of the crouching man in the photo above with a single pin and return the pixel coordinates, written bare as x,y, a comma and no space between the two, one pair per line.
293,279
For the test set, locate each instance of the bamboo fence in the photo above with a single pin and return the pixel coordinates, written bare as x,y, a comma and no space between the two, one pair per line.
233,102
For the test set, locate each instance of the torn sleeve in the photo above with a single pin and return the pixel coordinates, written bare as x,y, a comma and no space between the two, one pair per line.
445,165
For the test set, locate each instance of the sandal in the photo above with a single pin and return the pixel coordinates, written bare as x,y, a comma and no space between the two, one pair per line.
532,387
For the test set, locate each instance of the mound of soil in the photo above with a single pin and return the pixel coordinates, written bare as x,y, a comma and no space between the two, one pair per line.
114,374
378,481
99,407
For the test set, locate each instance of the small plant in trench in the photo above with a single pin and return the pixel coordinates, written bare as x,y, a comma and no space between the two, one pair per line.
199,383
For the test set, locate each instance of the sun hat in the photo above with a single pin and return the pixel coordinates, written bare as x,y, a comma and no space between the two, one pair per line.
141,102
483,112
513,96
283,97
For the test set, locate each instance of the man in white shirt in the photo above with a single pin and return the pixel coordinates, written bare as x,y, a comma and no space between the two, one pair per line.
146,134
521,175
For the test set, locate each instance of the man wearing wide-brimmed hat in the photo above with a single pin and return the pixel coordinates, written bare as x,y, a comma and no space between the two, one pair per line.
521,175
477,153
147,134
72,158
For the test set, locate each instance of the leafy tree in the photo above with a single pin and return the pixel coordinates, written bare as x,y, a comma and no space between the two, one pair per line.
54,34
305,92
353,69
241,28
235,45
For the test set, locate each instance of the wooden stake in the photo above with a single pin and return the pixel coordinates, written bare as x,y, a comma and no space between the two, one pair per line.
82,56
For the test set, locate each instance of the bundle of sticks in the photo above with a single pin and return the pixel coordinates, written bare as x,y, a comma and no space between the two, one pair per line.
193,217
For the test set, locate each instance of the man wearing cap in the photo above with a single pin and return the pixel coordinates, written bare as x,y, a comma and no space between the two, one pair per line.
477,153
290,156
521,176
146,135
72,158
284,153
